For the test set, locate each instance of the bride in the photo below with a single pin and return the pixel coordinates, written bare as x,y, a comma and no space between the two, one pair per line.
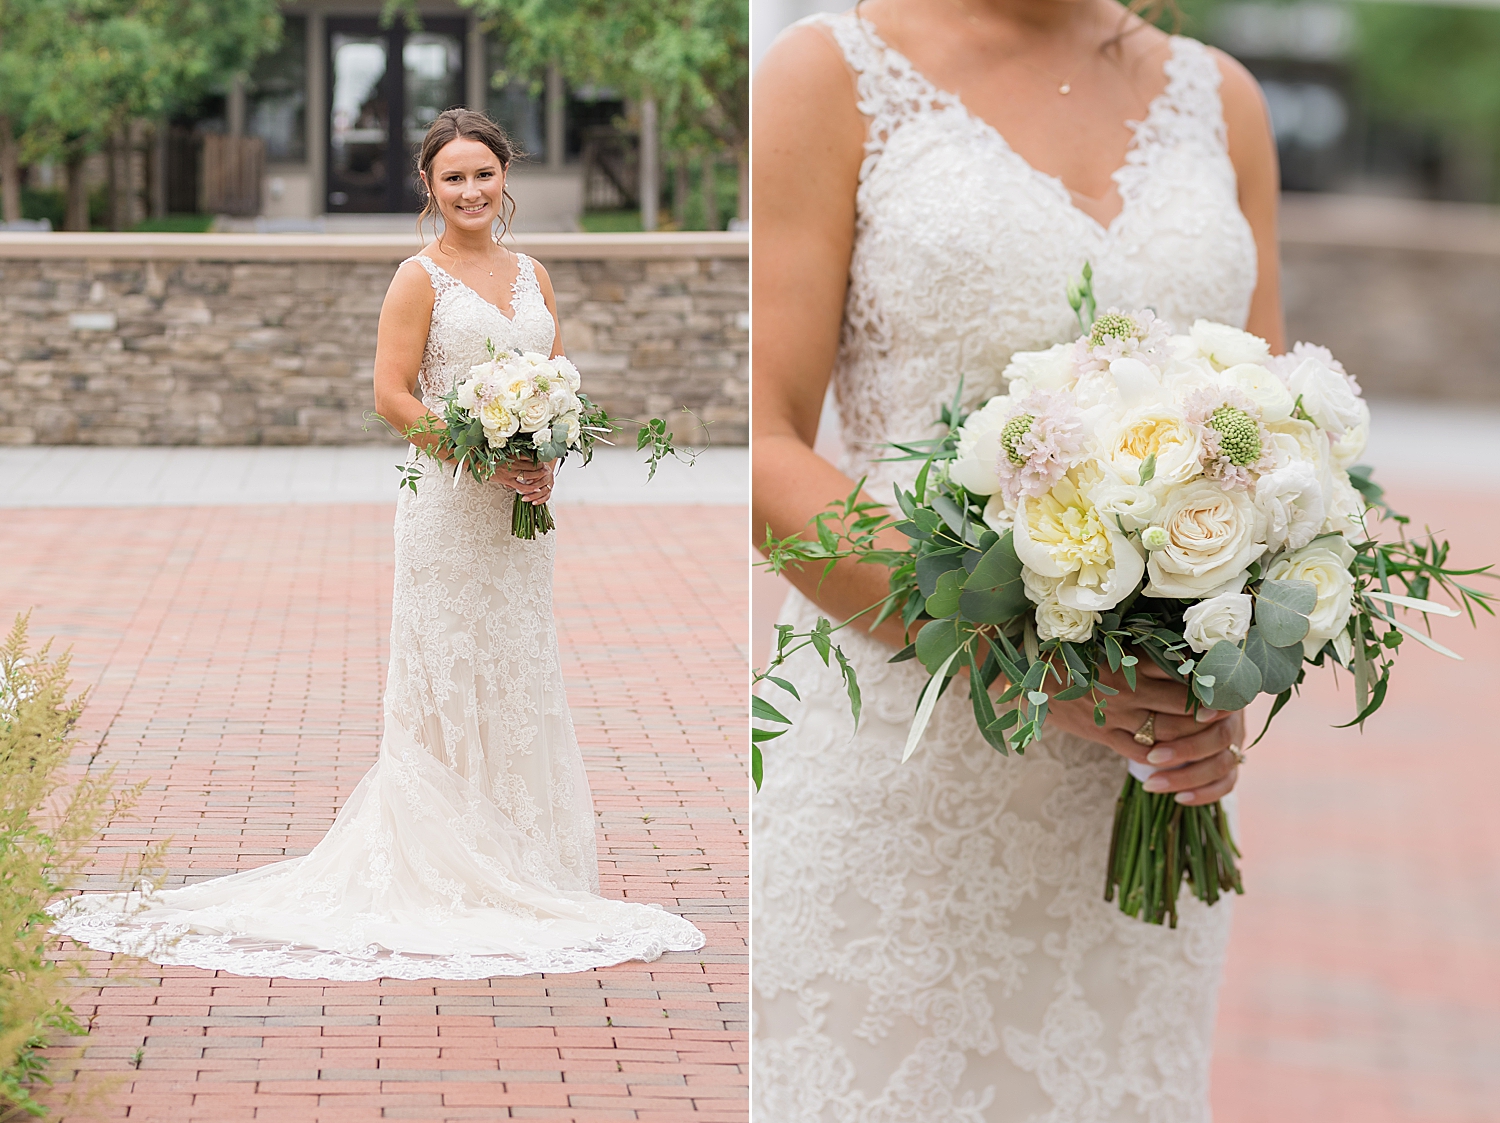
468,849
931,940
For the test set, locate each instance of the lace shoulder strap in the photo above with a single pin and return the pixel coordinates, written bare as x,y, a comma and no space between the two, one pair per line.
890,91
1189,110
525,282
442,281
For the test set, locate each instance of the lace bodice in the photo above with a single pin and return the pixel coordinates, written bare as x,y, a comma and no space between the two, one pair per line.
963,250
462,321
931,939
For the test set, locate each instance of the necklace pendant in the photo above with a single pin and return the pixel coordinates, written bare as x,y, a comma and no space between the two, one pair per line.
1065,88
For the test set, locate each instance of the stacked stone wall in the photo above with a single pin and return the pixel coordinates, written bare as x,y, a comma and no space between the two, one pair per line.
167,350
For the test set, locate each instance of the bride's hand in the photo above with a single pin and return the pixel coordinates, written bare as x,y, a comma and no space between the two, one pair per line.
531,481
1192,751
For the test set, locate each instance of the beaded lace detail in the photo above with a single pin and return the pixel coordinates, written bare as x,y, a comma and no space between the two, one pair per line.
931,940
468,849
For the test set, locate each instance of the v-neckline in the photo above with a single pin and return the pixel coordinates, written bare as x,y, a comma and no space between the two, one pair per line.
951,100
514,286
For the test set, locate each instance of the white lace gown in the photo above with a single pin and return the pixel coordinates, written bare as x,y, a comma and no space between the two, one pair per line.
468,849
931,943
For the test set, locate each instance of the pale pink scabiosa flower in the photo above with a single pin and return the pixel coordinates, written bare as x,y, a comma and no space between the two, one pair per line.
1235,441
1039,444
1283,365
1121,335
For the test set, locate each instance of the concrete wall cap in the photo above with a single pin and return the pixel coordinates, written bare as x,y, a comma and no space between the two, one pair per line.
359,247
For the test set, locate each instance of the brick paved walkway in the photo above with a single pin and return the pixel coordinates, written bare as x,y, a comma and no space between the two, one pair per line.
237,656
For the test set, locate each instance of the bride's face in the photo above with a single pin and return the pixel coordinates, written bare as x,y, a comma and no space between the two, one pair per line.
467,182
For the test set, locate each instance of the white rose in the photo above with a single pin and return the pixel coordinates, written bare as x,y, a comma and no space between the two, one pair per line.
499,420
534,412
1130,502
1225,346
1268,392
1160,430
1224,617
572,431
1051,369
1055,620
1347,448
1291,500
1325,562
569,373
1212,536
1327,396
1346,513
1061,535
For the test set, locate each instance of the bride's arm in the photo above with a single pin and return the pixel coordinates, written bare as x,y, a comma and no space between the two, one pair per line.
808,141
400,339
1252,150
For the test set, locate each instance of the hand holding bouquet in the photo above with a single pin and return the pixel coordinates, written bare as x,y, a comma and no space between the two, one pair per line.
1187,498
526,407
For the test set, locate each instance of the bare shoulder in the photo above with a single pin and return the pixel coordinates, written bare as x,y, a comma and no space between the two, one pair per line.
410,288
805,70
1238,90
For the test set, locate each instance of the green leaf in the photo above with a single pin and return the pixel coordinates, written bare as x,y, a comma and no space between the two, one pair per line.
851,685
944,598
1281,610
925,705
932,566
1236,678
994,592
762,709
984,715
757,734
1279,666
936,643
757,766
785,685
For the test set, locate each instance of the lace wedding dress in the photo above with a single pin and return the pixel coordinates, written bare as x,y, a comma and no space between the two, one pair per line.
931,940
468,849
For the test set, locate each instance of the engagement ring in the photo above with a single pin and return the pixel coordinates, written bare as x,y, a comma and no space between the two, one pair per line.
1239,754
1146,734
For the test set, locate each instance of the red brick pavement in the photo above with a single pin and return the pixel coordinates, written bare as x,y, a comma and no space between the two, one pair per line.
237,656
1363,982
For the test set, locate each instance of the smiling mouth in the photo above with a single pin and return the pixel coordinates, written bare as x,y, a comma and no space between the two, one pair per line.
474,210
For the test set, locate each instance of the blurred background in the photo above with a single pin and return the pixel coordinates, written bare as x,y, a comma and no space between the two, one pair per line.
1363,981
295,116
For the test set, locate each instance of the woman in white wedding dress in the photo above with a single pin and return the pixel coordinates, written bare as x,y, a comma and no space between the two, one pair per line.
931,942
468,849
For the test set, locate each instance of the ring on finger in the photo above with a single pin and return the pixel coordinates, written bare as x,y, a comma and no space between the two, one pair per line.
1238,754
1146,734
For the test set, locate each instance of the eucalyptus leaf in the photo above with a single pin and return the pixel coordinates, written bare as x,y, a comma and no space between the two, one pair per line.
944,599
932,566
1236,678
994,592
936,642
1279,666
1282,608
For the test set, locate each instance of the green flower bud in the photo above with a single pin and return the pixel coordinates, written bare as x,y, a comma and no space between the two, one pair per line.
1016,428
1155,537
1239,436
1111,325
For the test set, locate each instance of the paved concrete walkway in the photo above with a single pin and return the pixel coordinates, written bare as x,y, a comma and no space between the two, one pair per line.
73,476
236,656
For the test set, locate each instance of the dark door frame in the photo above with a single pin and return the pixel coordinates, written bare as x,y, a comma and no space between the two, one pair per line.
401,177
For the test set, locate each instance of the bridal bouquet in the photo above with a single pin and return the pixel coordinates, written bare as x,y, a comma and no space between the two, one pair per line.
521,405
1190,498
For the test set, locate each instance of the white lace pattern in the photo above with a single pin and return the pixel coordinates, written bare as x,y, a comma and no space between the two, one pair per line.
468,850
931,940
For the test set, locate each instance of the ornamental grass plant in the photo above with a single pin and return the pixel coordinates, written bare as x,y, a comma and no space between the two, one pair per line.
48,824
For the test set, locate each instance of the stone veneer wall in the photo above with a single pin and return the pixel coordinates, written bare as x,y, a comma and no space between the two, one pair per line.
270,339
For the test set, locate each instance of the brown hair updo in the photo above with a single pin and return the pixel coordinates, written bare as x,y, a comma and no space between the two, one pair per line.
453,124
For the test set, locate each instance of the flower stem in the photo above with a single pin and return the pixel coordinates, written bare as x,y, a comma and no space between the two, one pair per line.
1157,843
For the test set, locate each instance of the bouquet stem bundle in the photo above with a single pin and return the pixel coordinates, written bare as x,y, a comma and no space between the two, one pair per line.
1157,843
527,520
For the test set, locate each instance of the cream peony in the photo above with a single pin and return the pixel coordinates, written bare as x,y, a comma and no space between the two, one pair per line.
499,420
1291,500
1225,346
1327,396
1059,534
1161,430
1268,392
1224,617
1213,535
1051,369
1325,562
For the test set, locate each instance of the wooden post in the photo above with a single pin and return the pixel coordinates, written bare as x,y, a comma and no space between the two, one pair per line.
709,187
557,121
649,170
159,168
680,190
10,174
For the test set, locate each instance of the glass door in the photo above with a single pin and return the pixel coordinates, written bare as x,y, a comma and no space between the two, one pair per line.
379,112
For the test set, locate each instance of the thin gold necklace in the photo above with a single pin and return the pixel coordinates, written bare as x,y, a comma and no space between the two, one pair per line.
1064,85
